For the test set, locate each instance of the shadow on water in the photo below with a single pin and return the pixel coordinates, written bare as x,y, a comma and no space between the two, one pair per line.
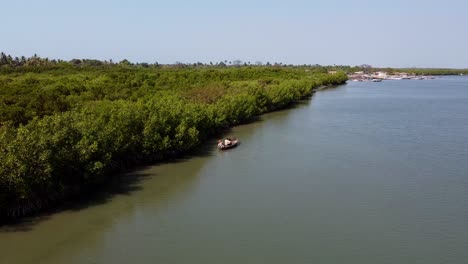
124,183
130,181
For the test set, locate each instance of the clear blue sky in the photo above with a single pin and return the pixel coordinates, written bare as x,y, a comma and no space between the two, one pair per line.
381,33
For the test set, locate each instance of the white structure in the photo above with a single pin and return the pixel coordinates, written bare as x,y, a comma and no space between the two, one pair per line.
381,74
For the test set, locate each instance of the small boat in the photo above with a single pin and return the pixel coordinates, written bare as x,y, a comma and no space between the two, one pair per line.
233,144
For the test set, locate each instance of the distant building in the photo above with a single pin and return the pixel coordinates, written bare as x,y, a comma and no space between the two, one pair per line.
332,72
381,74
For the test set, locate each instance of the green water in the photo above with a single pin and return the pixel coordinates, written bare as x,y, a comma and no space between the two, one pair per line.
362,173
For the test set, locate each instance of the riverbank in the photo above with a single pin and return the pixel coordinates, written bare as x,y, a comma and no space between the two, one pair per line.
154,115
367,162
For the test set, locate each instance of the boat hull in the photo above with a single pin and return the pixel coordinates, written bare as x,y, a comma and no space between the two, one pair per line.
234,144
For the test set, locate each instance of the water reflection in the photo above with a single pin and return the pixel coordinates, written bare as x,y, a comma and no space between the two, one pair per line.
83,224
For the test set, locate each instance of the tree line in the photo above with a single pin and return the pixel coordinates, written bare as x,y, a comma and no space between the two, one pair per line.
8,63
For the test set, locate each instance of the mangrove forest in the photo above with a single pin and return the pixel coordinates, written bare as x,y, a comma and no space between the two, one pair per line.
67,126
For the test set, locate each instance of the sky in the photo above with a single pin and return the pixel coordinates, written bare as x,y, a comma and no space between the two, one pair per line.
387,33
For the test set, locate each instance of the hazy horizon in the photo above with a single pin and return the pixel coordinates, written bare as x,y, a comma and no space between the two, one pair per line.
388,34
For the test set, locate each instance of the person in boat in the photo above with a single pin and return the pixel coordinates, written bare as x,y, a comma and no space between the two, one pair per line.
227,142
220,143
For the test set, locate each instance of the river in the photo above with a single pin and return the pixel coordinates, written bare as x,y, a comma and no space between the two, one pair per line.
361,173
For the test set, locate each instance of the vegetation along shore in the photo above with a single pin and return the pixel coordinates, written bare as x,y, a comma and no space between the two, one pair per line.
68,126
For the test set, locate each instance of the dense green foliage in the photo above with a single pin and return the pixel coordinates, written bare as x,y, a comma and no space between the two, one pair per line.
66,127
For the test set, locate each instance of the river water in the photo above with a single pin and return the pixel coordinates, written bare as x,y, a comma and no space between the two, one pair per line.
361,173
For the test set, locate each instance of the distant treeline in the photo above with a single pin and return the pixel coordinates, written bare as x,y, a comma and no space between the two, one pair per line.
415,71
35,63
9,64
433,71
66,128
